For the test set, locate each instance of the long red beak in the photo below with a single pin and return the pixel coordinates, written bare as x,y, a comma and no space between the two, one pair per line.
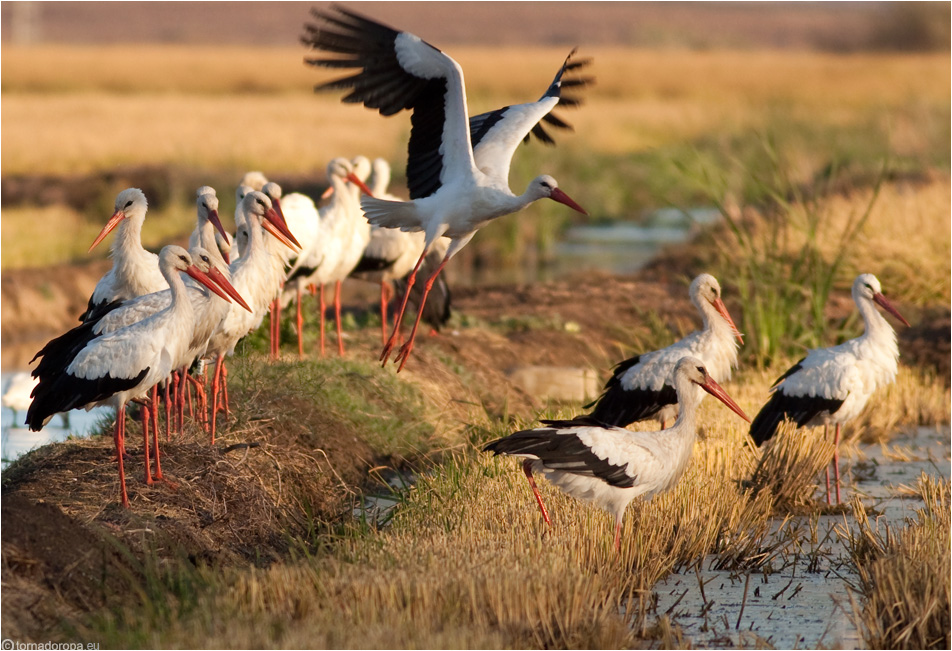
561,197
886,305
205,280
722,310
216,222
718,392
328,192
223,282
274,224
353,178
117,217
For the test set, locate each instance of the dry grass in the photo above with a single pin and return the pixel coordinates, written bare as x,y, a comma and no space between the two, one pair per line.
74,109
905,577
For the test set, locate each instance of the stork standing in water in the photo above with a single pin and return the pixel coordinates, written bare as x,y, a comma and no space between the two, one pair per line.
457,166
123,365
833,385
611,466
135,271
641,387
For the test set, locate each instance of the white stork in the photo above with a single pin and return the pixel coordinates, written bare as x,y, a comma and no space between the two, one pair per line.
457,166
641,387
135,271
253,277
122,365
320,263
832,385
610,466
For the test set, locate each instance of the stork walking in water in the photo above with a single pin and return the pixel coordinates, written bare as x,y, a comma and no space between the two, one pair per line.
641,387
831,386
457,166
611,466
135,271
123,365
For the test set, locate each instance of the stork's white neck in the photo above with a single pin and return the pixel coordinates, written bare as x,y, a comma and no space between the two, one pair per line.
690,396
878,332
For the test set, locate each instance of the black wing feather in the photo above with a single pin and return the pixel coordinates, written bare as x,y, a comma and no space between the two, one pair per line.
562,451
780,407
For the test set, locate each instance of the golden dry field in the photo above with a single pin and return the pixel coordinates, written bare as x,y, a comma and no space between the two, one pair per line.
844,156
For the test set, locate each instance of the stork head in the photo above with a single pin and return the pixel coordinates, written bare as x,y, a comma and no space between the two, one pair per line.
691,369
547,187
258,206
130,203
867,287
706,290
204,262
207,204
346,170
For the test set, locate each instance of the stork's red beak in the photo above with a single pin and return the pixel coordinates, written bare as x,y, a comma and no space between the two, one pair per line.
328,192
886,305
275,224
722,310
561,197
353,178
117,217
224,283
718,392
216,222
205,280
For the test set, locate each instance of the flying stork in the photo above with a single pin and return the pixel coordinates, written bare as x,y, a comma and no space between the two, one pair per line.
610,466
457,166
641,388
832,385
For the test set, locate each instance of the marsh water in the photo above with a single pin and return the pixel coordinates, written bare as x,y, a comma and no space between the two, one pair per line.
808,602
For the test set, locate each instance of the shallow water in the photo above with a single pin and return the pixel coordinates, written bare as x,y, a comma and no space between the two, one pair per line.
18,440
807,603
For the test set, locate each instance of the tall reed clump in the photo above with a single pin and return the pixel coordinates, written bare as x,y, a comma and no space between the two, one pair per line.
775,247
905,577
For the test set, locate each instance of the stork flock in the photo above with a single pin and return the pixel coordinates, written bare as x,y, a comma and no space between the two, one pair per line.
146,330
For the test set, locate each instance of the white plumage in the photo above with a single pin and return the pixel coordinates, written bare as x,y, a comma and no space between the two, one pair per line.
640,387
457,167
610,466
831,386
134,271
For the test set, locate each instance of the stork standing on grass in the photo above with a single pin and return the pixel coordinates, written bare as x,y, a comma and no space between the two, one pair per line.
135,271
252,276
611,466
391,253
457,166
641,387
318,265
833,385
123,365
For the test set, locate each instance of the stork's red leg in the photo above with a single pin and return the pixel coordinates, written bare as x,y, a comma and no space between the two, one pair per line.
155,431
404,354
384,303
224,387
826,432
300,324
168,411
321,308
340,335
392,341
146,417
187,390
216,386
527,468
120,450
836,461
617,536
